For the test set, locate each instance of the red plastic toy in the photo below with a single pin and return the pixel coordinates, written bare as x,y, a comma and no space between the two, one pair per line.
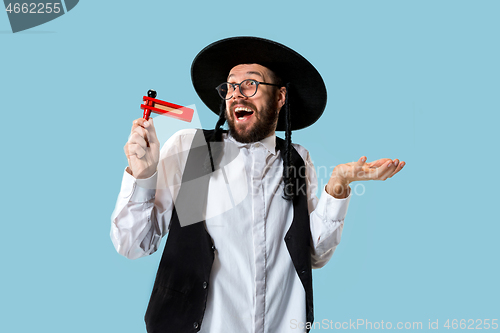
168,109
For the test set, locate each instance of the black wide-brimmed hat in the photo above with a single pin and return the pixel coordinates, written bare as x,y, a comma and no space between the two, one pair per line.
307,91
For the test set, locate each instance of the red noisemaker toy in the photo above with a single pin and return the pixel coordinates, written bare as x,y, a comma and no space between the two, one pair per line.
165,108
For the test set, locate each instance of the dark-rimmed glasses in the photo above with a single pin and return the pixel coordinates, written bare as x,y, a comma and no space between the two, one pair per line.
248,88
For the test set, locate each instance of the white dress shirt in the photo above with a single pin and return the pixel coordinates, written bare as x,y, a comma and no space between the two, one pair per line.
254,285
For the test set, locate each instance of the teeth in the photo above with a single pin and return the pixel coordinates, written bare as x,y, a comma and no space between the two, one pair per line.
242,109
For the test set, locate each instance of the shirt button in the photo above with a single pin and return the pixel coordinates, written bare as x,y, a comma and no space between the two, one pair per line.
205,285
195,325
257,144
213,247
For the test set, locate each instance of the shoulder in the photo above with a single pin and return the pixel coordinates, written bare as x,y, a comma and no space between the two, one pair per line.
179,141
188,134
184,133
303,152
183,136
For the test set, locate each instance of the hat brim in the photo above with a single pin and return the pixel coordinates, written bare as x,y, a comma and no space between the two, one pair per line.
307,95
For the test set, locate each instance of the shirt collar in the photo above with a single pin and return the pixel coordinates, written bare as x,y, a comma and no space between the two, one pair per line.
269,143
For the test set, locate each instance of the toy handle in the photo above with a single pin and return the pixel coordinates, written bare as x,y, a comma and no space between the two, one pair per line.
147,112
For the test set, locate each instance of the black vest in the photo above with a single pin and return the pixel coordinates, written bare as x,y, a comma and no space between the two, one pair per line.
180,291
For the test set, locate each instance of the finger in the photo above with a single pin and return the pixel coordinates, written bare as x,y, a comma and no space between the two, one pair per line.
136,138
129,153
135,150
139,122
400,166
391,167
125,148
378,163
395,162
142,132
382,172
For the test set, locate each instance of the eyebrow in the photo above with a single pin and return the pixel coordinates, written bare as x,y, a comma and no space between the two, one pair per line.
249,73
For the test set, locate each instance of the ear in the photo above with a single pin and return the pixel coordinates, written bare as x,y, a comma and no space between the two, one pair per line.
281,95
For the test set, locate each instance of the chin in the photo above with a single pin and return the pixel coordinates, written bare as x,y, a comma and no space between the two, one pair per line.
253,130
243,137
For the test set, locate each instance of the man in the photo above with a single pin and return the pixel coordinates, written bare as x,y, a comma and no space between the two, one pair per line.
246,267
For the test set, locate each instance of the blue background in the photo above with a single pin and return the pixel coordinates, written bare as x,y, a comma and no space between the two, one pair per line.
414,80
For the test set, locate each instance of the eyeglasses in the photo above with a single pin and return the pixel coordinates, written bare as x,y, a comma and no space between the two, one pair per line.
248,88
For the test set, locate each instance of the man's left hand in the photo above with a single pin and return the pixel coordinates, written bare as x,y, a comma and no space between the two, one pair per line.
344,174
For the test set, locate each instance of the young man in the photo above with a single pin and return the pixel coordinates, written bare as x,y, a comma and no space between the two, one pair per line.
243,264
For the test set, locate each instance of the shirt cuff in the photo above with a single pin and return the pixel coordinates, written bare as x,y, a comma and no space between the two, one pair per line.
139,190
331,208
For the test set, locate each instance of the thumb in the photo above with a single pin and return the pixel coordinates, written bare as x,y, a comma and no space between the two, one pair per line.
361,161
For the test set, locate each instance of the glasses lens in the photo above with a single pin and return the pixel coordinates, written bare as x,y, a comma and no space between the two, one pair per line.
225,90
248,87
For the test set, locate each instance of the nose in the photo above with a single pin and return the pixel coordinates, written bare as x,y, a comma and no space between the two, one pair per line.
237,92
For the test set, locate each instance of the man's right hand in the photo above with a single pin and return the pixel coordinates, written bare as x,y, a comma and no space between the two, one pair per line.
142,149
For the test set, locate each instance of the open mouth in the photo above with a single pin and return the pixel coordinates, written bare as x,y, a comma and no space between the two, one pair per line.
243,113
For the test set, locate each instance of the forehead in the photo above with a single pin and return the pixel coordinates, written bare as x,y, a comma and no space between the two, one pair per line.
249,70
